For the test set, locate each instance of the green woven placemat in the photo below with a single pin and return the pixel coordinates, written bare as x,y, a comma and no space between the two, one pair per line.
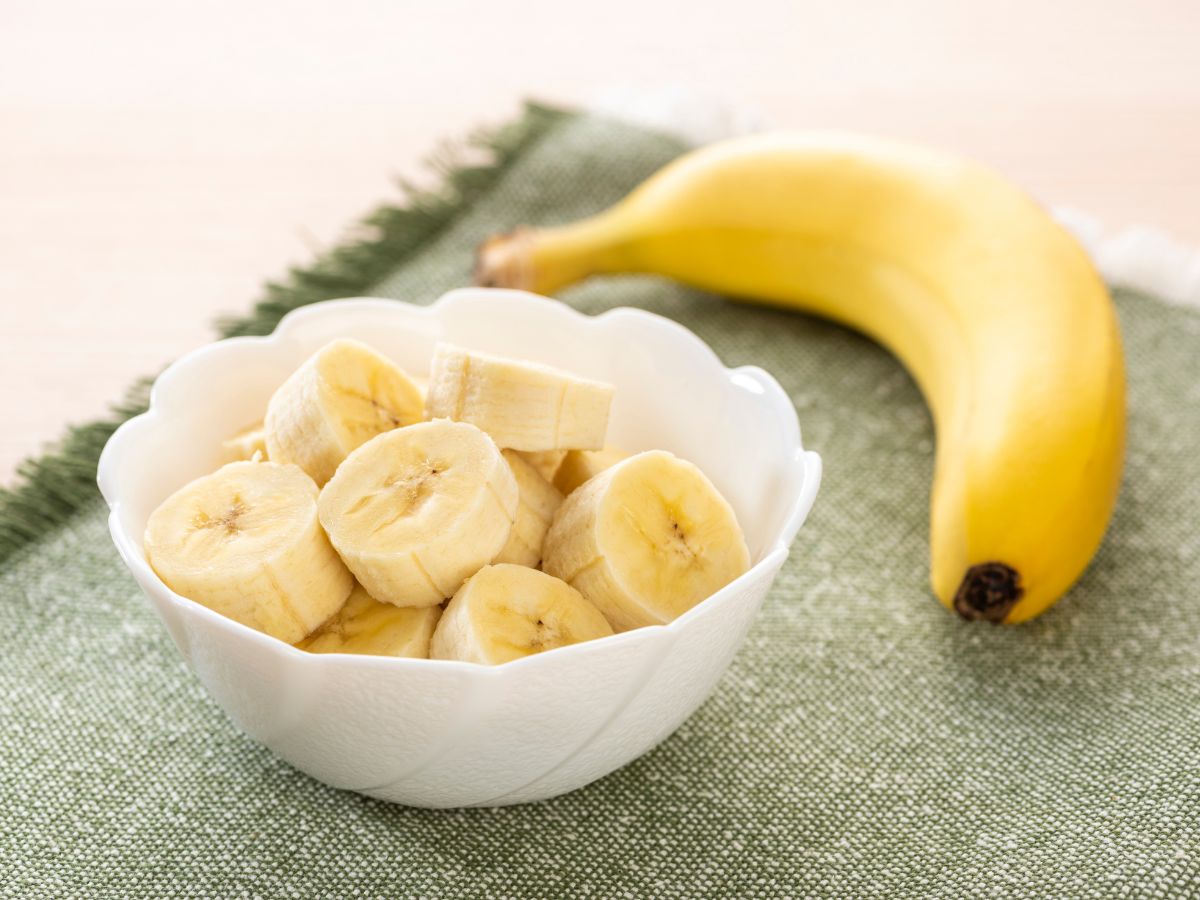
865,743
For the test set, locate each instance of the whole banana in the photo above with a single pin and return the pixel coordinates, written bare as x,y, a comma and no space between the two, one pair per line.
993,307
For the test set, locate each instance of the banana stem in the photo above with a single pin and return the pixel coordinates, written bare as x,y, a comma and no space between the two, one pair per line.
548,260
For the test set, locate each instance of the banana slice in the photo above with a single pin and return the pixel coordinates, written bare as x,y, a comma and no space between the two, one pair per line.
545,461
579,466
506,612
539,501
245,541
522,405
344,395
417,510
249,443
366,626
646,540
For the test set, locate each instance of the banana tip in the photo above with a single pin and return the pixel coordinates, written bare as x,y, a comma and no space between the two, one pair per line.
988,592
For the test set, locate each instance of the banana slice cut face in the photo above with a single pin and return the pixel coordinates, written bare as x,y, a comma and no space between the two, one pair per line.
522,405
418,510
646,540
249,443
506,612
365,626
539,502
246,542
343,395
578,466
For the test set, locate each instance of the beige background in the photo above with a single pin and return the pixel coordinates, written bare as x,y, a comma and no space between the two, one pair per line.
159,161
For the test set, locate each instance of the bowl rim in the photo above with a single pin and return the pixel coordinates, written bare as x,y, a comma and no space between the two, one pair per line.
751,378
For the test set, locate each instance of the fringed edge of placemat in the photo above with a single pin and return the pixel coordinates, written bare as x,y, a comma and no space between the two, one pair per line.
51,487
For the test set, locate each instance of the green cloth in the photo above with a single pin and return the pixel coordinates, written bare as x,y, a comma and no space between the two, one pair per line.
865,743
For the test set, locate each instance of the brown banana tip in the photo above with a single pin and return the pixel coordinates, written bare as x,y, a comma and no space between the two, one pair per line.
988,592
503,260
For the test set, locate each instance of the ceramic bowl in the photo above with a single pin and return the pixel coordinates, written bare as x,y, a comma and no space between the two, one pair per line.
448,734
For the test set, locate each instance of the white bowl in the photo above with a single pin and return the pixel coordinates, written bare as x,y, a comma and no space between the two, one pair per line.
447,734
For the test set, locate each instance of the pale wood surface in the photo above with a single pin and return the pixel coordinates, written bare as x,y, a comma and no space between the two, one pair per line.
159,161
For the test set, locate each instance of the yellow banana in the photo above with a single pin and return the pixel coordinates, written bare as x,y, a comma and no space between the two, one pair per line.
993,307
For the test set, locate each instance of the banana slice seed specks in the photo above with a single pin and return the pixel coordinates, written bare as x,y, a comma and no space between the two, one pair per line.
245,541
344,395
418,510
507,612
646,540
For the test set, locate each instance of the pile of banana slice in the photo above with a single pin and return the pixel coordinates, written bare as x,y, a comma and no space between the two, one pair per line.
478,516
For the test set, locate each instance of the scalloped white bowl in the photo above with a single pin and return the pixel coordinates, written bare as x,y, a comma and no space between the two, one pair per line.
448,734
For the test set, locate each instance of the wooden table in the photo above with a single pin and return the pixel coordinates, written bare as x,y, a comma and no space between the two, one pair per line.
157,162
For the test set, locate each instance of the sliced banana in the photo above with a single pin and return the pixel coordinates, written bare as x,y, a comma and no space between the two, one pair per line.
646,540
539,502
343,395
545,461
579,466
417,510
245,541
522,405
505,612
249,443
366,626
